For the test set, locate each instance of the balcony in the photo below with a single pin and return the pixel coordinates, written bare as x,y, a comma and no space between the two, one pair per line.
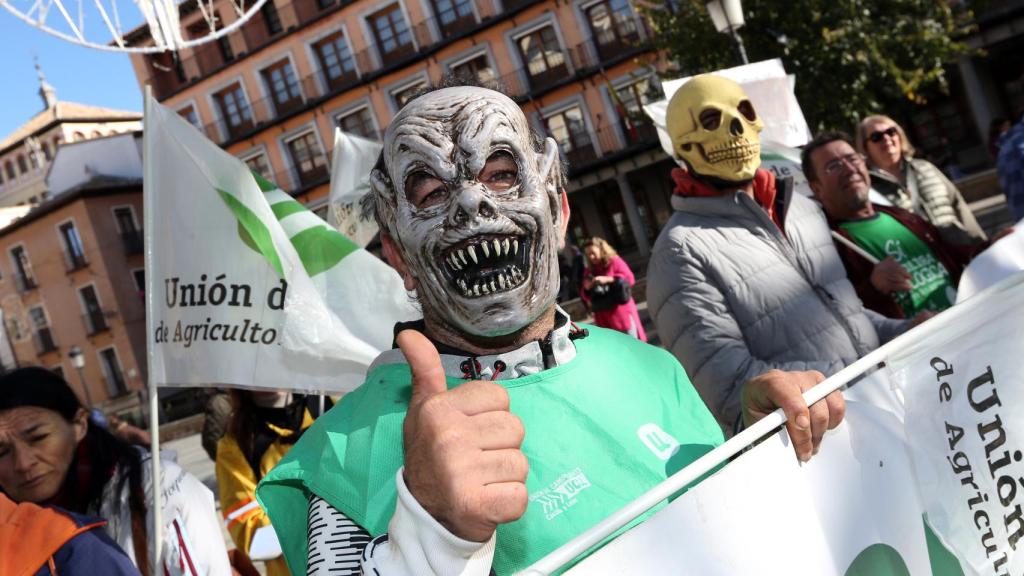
167,76
95,321
621,38
25,283
133,242
74,261
608,142
43,339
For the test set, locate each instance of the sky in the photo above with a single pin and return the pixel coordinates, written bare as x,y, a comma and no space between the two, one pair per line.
80,74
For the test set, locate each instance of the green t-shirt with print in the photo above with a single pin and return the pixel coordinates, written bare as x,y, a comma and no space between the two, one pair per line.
883,236
601,430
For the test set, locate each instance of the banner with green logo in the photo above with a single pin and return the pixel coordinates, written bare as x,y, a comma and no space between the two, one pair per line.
245,286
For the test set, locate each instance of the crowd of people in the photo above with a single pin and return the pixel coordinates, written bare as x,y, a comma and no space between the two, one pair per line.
492,400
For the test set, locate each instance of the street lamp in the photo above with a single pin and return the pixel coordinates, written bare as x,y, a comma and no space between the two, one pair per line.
78,361
727,15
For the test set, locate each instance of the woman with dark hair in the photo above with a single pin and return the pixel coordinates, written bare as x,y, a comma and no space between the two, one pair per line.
263,427
52,454
915,184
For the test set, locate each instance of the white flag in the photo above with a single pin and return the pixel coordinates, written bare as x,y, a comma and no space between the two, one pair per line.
354,158
245,286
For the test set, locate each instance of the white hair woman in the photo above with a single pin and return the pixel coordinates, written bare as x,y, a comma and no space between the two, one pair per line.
915,184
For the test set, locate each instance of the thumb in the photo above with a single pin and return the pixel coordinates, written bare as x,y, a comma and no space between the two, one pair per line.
425,364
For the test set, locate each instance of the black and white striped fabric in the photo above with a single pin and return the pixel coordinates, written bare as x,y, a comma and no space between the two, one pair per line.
336,543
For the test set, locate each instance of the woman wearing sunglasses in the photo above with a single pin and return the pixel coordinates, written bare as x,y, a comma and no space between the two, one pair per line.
915,184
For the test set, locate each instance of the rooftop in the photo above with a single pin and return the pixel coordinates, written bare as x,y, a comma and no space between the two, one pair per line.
65,112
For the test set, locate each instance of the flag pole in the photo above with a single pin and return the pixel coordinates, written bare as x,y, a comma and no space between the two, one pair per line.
156,537
853,246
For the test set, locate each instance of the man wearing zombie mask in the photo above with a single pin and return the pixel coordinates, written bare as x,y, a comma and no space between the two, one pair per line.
744,277
457,454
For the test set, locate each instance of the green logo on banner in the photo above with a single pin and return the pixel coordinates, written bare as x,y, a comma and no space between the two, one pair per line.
319,247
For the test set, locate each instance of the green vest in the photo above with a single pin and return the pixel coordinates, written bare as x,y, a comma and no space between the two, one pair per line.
600,430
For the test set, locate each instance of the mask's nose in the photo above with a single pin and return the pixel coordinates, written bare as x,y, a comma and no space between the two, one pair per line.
472,202
736,127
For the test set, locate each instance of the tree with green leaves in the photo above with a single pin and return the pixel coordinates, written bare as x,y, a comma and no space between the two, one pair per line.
851,58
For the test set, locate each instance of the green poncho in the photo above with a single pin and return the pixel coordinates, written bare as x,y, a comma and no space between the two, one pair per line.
600,430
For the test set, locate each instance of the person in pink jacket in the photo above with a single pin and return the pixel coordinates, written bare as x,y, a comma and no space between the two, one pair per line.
604,267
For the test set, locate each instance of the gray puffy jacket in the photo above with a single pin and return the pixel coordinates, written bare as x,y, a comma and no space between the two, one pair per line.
733,298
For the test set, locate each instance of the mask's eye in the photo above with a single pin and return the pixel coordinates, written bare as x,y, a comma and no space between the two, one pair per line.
500,172
423,190
747,109
710,118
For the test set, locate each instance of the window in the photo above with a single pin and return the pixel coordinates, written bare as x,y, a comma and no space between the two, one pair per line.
93,316
271,17
568,128
454,16
336,61
74,253
22,164
392,34
545,62
112,372
234,109
310,163
283,86
45,146
403,95
359,122
477,69
259,165
613,27
41,330
11,174
189,113
22,269
13,326
629,101
131,236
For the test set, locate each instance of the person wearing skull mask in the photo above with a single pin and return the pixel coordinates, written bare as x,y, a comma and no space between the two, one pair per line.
744,277
428,467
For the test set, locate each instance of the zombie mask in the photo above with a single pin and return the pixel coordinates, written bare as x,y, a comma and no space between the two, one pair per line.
715,129
473,208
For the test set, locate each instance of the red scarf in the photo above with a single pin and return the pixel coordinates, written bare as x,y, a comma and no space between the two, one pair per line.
764,189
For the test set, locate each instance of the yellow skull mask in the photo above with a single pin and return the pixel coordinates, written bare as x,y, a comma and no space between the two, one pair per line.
714,128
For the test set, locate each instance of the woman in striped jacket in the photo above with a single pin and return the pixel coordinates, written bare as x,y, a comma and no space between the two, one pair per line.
915,184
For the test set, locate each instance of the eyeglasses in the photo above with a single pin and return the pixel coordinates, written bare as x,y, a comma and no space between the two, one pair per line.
878,135
852,160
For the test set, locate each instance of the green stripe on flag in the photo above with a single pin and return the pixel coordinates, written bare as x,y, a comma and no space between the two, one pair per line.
284,209
320,248
258,232
264,184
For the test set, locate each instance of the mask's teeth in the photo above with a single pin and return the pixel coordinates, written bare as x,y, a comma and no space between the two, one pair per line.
497,247
472,255
462,256
505,246
454,262
476,289
493,286
485,290
501,281
515,247
487,253
465,288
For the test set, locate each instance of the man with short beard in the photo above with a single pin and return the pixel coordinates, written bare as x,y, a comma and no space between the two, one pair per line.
917,271
744,278
497,429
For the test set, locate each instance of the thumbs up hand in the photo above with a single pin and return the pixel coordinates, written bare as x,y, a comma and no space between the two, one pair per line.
462,458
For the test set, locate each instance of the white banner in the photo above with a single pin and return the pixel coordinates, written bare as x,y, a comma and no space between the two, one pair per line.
1002,259
348,212
925,475
245,286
